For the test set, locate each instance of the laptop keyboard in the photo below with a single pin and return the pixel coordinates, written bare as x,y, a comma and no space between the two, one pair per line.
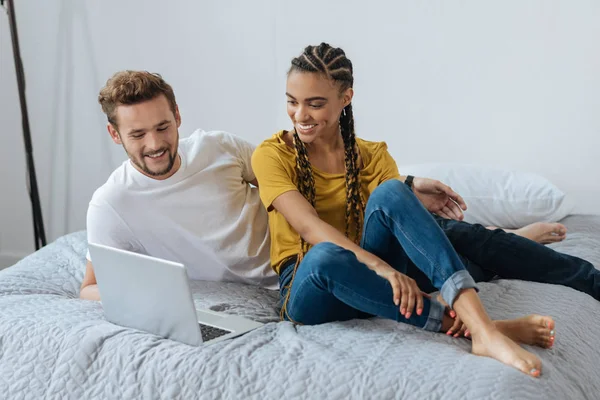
210,332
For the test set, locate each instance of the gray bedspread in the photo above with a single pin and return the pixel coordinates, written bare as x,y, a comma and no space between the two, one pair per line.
53,345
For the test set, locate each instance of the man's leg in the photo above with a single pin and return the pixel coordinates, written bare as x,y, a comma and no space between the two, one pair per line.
514,257
541,232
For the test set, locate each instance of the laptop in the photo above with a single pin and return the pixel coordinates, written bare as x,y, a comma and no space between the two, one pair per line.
153,295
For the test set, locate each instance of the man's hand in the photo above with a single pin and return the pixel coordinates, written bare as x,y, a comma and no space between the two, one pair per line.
89,287
439,198
90,292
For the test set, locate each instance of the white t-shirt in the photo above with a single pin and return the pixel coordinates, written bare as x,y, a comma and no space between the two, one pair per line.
207,204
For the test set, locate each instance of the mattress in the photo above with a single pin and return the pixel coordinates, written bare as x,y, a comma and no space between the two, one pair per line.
54,345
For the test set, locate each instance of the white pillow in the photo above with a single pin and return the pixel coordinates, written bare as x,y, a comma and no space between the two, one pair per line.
499,197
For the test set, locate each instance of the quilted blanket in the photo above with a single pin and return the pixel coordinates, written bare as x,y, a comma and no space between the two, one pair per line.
54,345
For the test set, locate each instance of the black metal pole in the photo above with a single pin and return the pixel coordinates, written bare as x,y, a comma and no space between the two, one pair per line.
38,222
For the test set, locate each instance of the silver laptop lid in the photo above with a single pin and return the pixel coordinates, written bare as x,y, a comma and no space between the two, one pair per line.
146,293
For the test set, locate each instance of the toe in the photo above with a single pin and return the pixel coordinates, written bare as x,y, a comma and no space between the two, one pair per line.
547,322
547,239
541,321
560,229
545,332
530,367
535,372
558,238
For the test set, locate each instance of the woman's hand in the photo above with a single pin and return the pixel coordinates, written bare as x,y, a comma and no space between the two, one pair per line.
406,292
458,328
439,199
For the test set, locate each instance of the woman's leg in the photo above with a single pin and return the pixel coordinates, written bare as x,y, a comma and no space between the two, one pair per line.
394,209
399,230
332,285
328,273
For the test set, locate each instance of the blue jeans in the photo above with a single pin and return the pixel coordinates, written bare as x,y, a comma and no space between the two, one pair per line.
332,285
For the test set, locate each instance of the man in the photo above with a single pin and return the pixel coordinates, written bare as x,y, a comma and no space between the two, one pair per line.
173,197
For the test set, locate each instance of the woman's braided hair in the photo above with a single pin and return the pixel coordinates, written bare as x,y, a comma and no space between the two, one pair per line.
332,63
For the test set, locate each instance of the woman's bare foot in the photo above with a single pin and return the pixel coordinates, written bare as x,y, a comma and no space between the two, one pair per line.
541,232
492,343
534,330
489,341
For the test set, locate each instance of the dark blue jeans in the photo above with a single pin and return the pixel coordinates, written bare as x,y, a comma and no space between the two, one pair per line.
488,254
332,285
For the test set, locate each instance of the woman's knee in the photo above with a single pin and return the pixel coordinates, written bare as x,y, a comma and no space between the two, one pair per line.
392,193
322,258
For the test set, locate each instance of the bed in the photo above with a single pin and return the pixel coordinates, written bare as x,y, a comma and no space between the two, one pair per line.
53,345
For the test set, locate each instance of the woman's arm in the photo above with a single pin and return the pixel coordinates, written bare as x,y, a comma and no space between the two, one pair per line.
304,219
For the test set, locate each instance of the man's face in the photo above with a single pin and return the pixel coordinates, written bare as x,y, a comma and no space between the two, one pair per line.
148,132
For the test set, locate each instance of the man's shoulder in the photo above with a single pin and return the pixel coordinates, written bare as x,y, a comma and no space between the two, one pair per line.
201,141
200,136
113,190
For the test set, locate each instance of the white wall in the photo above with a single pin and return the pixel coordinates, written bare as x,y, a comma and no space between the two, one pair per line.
509,83
15,217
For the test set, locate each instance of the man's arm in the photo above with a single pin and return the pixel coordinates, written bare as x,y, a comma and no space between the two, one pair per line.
242,150
89,287
104,226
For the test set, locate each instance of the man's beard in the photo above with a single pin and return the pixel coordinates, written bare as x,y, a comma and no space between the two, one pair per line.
141,163
166,170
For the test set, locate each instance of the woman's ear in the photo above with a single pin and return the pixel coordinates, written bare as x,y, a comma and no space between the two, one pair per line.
347,96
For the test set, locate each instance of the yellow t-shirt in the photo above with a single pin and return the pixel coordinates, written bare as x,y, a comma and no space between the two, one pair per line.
274,164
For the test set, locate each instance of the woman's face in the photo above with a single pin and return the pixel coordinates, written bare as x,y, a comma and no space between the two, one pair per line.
314,104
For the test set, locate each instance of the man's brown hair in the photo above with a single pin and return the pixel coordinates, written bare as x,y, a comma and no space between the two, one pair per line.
132,87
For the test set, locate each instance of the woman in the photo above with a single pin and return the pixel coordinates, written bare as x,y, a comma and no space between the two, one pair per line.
351,238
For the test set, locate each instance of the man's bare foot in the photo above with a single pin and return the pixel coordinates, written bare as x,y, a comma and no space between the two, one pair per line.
541,232
534,330
492,343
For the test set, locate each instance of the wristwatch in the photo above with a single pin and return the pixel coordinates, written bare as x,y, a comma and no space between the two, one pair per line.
409,181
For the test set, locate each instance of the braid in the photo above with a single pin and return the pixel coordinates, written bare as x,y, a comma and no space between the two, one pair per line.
306,186
333,63
306,180
355,205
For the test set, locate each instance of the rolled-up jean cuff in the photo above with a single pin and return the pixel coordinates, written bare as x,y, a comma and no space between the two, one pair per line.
436,315
458,281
